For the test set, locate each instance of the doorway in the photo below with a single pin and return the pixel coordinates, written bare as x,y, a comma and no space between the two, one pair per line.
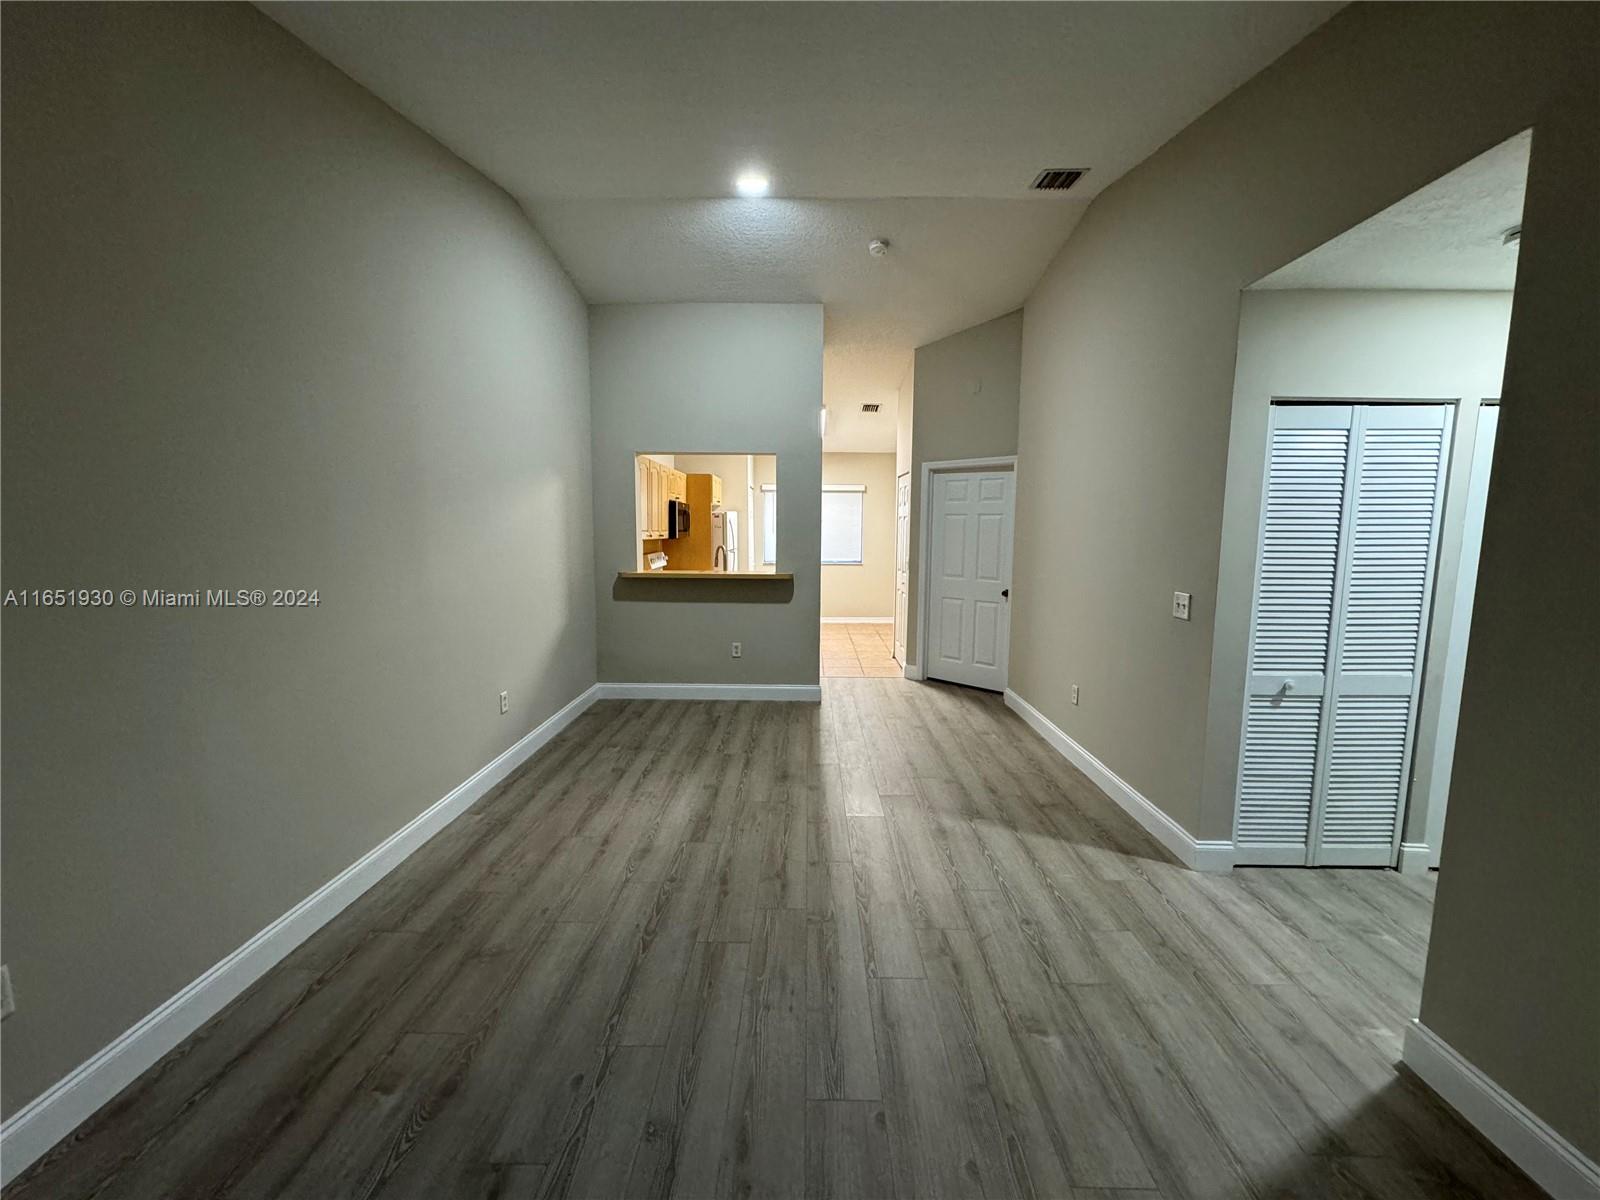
858,564
964,613
1401,319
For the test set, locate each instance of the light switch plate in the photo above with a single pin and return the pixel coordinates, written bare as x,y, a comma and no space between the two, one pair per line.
1180,605
1074,693
8,1001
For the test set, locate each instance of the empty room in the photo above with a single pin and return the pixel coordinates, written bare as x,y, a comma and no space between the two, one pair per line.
852,601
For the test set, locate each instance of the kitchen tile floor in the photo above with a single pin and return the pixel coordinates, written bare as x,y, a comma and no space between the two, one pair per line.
854,651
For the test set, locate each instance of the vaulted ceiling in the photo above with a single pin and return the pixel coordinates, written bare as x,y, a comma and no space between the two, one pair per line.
620,128
1446,236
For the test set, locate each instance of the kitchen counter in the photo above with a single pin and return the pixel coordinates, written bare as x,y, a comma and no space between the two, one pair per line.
744,575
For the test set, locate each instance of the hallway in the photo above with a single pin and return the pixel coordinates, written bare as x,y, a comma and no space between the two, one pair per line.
859,650
888,946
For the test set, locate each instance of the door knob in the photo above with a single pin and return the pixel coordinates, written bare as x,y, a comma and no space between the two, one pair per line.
1006,592
1288,686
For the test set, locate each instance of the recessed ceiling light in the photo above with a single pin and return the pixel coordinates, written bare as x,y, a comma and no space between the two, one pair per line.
752,183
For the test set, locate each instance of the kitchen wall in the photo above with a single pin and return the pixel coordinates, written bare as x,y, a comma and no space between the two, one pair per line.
1350,344
1127,381
722,378
1513,974
867,589
966,390
259,332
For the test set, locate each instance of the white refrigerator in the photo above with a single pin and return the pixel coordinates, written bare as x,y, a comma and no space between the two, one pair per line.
724,540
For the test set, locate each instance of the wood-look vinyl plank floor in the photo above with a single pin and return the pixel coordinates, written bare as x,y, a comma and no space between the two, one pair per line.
891,947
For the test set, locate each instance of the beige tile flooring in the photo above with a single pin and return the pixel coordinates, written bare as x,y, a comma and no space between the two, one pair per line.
853,651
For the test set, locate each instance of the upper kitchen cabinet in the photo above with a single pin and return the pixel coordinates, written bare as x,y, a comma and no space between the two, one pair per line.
657,484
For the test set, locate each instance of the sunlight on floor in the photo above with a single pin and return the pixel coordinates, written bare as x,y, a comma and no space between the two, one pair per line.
851,651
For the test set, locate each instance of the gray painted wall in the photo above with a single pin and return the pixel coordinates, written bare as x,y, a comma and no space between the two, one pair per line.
259,331
966,390
1381,345
1128,357
1129,340
708,378
1513,978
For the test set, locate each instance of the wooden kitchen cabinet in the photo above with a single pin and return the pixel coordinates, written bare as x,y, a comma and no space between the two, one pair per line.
640,492
649,496
655,484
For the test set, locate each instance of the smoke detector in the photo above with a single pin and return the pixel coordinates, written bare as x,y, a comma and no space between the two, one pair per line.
1511,236
878,247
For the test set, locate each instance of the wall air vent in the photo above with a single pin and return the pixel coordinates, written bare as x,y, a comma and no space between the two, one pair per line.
871,407
1058,179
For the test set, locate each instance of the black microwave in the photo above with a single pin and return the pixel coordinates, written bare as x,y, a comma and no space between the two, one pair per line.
677,519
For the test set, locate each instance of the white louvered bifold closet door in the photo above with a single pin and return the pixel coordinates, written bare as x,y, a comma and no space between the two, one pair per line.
1392,529
1349,525
1291,631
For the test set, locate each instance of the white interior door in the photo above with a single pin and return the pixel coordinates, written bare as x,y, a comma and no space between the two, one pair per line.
1349,531
1291,628
969,577
1392,533
902,562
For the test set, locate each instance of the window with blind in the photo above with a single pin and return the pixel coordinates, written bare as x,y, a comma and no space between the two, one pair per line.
842,521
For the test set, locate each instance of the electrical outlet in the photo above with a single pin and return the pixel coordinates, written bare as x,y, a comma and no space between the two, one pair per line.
738,650
1180,605
1074,693
8,1001
505,702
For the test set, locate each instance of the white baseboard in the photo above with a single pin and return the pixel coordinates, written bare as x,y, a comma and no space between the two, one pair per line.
56,1112
913,671
1547,1158
811,692
1415,858
1192,852
858,620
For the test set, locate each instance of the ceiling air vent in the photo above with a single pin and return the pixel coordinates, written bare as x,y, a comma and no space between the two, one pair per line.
1058,179
871,407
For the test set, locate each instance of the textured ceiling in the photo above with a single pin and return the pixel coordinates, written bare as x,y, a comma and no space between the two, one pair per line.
948,259
620,127
1447,236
